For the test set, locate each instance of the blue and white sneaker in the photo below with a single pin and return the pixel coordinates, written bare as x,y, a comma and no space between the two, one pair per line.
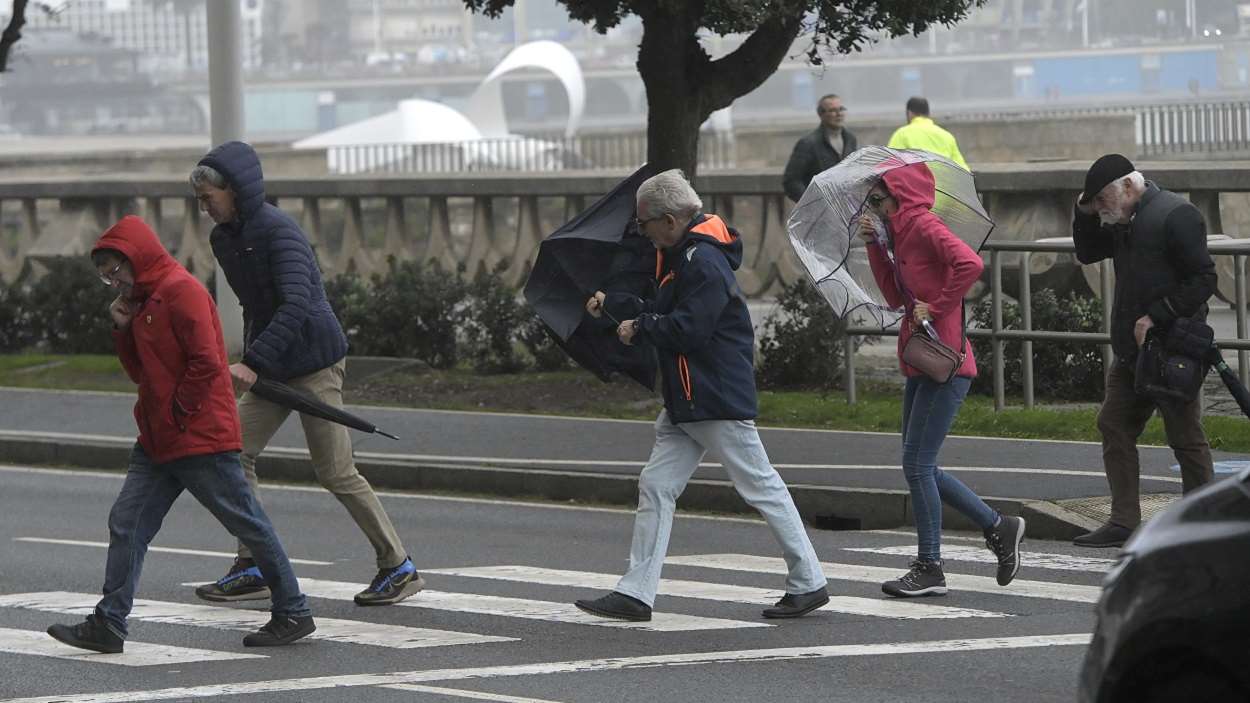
242,582
392,585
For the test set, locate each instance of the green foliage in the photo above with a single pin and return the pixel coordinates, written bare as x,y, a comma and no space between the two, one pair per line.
492,324
538,341
1061,371
66,310
802,342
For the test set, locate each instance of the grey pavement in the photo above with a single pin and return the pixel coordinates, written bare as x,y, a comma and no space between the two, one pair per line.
527,454
981,642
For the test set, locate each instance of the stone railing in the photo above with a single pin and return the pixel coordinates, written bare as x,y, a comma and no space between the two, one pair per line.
486,220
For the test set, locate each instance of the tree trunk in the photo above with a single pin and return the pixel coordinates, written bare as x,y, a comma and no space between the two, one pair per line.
668,59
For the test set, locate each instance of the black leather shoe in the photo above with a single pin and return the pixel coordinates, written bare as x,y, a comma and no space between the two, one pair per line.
1109,535
794,606
617,606
280,630
92,634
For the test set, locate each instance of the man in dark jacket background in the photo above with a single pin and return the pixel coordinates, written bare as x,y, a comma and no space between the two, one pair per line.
701,330
169,341
291,335
1158,241
820,149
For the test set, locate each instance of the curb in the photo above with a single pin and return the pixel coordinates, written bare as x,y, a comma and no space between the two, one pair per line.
823,507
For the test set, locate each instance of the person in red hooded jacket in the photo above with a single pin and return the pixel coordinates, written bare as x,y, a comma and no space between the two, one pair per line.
169,340
928,274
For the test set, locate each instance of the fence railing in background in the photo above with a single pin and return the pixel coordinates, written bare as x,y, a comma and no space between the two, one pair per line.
541,154
1238,250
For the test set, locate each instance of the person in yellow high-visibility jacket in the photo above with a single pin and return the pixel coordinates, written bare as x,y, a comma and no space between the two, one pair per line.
921,132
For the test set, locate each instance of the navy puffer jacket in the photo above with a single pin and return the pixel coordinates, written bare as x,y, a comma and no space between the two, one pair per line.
290,329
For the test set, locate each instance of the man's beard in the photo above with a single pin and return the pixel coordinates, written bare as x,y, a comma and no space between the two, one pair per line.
1108,218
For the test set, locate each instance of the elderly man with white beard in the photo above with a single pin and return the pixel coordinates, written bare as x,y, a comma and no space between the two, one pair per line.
1158,242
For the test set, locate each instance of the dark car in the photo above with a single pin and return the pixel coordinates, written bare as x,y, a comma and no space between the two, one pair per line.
1174,616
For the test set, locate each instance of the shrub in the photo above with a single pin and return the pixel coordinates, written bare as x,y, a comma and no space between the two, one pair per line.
547,355
66,310
801,345
1061,371
493,318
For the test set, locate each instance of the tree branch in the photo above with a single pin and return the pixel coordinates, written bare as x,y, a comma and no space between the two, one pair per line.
12,33
745,68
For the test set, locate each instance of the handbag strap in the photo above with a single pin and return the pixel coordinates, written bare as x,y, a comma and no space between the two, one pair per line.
898,280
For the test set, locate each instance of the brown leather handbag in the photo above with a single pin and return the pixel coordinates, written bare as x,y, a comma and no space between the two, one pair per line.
932,358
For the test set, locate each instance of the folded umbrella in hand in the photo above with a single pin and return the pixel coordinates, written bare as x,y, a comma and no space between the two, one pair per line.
286,396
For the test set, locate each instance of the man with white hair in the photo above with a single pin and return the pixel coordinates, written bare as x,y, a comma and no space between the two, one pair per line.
1158,242
700,328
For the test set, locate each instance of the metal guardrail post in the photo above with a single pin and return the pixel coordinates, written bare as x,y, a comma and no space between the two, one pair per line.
848,371
1239,279
1026,319
996,304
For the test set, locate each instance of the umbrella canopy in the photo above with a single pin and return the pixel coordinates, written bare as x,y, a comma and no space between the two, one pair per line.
286,396
823,226
600,249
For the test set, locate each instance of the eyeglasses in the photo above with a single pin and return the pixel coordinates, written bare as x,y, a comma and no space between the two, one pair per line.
110,278
643,223
834,110
876,199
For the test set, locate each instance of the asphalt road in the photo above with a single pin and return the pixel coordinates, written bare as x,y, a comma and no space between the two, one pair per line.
1028,469
455,642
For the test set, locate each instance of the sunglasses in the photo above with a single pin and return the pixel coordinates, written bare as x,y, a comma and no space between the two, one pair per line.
110,278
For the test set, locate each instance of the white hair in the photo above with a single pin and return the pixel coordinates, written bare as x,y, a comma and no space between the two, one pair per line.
207,174
669,193
1118,196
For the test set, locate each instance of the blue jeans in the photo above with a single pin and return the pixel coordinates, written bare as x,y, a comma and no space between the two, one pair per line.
217,482
929,408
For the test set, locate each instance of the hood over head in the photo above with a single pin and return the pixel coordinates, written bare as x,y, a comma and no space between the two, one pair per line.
239,164
140,245
913,188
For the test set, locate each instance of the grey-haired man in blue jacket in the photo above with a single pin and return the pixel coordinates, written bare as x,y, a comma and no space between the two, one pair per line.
702,334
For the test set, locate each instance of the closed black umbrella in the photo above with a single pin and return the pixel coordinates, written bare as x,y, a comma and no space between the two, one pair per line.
599,250
286,396
1231,382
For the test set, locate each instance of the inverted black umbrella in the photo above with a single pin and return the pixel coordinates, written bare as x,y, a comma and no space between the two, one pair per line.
286,396
1231,382
598,250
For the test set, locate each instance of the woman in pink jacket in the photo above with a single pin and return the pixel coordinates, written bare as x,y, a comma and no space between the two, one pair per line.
932,270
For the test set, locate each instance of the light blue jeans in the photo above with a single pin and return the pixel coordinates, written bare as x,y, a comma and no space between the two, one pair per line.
929,409
677,453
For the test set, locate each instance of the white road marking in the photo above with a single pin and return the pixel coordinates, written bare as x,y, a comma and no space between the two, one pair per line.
989,644
524,608
875,607
1029,559
876,574
41,644
461,693
328,629
166,550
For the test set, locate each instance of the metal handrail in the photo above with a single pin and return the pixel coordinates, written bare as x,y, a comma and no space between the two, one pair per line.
1027,336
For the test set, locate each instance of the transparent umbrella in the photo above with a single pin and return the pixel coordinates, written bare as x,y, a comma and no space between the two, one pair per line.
823,226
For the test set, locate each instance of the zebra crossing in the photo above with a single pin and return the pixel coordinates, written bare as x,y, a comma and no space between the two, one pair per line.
677,595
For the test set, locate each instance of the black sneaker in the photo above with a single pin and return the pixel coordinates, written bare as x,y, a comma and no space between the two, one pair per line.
616,606
924,579
92,634
392,585
794,605
281,629
242,582
1004,540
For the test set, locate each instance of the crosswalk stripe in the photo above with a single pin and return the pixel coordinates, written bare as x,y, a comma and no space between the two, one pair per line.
528,609
329,629
167,550
1030,559
876,574
716,591
891,649
40,644
462,693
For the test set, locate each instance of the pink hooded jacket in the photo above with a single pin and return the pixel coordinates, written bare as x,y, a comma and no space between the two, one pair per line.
934,264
